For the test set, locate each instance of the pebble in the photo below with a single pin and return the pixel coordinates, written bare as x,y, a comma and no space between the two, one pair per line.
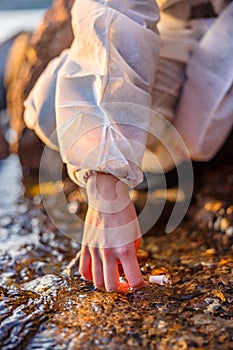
224,224
213,305
209,252
5,221
132,342
152,331
229,231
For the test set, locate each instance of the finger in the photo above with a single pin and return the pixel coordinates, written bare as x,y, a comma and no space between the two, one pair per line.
97,268
85,263
128,258
110,270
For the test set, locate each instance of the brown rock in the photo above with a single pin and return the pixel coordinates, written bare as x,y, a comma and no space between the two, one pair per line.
52,36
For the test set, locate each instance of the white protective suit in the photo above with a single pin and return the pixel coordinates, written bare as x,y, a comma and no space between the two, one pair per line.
91,94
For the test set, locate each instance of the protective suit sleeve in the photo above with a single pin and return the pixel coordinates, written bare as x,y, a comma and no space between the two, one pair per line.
110,69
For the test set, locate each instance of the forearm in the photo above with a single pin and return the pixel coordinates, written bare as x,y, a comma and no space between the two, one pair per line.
107,194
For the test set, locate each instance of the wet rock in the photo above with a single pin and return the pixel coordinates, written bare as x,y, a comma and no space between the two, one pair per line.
224,224
41,308
213,214
4,125
42,284
4,52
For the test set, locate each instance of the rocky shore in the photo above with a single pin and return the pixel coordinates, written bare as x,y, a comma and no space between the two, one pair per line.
41,307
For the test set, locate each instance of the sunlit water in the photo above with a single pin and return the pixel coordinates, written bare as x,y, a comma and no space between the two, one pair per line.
19,221
11,187
13,207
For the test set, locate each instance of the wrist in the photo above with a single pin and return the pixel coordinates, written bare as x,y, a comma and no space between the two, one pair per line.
107,191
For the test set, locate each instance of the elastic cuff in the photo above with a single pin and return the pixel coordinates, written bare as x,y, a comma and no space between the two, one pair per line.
88,173
80,176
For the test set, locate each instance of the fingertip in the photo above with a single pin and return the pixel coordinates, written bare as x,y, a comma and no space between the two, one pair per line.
85,265
112,289
87,277
124,287
146,283
138,284
100,288
87,280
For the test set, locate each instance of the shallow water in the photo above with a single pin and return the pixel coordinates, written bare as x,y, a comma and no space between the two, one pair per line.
11,187
13,208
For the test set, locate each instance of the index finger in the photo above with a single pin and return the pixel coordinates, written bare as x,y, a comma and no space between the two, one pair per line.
128,258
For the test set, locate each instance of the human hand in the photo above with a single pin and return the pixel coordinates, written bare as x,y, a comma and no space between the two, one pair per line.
111,235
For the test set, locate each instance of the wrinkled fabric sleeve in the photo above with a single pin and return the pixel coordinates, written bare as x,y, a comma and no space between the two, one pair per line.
205,113
110,70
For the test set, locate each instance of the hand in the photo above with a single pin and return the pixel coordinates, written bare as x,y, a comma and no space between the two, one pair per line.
111,235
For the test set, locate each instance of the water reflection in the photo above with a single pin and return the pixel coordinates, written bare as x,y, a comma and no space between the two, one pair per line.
11,187
16,228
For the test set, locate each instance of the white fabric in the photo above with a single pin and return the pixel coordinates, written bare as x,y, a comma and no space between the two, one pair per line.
180,36
205,114
105,64
218,5
40,105
104,84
